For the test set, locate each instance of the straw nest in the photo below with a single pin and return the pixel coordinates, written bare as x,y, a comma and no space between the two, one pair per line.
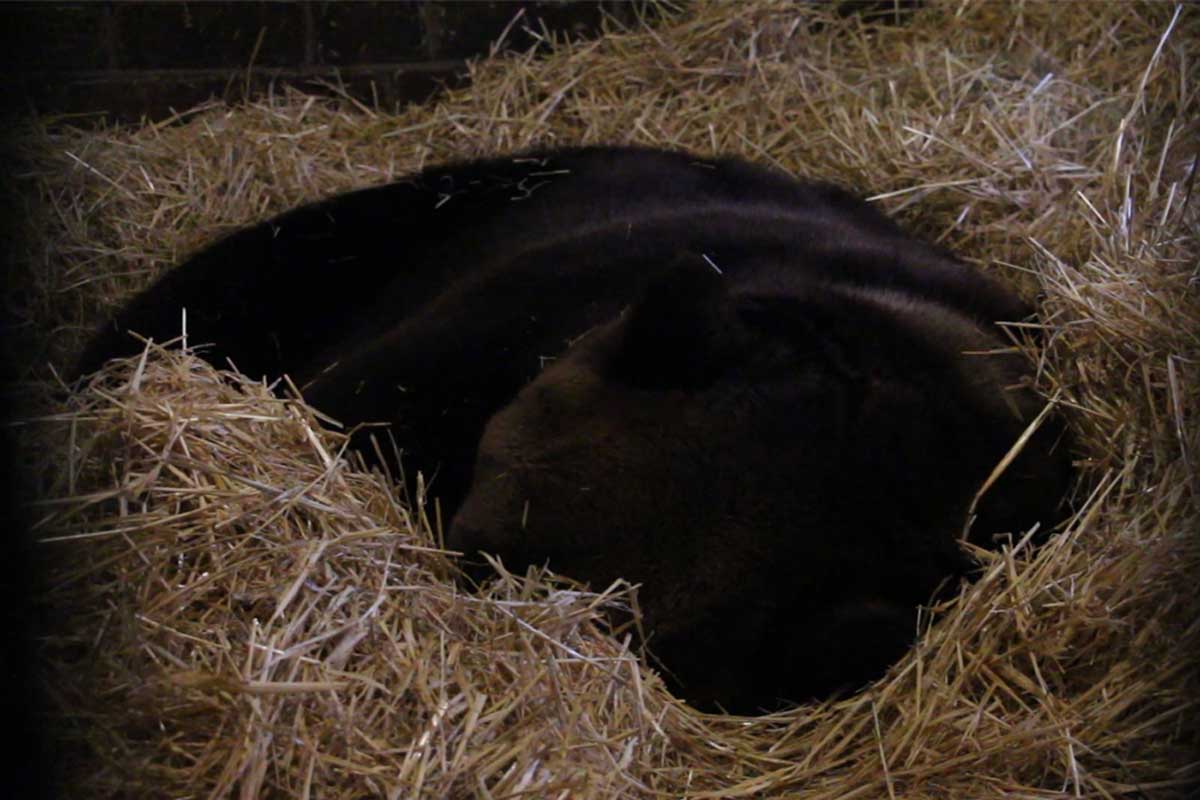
231,607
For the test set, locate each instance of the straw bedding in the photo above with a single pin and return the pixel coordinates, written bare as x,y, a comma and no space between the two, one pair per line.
232,607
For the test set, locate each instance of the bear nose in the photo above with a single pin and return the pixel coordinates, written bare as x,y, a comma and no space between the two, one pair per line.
469,537
473,565
460,537
494,540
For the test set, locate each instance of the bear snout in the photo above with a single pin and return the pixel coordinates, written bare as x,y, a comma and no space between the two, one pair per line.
487,522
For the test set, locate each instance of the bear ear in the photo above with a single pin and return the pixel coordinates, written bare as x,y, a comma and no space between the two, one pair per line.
680,332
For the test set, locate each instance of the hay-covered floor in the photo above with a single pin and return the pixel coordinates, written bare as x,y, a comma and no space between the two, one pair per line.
232,609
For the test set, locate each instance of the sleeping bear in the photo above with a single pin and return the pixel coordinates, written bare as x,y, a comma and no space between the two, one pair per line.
757,398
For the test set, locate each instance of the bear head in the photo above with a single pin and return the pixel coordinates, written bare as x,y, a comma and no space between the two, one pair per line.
785,467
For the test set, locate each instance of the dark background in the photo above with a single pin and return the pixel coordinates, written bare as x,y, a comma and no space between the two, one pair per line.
129,60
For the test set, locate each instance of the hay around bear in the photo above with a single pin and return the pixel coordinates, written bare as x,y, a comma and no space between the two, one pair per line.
231,606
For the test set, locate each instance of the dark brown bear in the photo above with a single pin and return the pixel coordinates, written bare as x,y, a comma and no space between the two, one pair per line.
764,402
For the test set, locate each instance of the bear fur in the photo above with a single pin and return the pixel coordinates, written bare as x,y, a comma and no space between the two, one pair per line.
758,398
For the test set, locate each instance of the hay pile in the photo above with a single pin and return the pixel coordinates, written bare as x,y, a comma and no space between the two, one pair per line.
233,608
